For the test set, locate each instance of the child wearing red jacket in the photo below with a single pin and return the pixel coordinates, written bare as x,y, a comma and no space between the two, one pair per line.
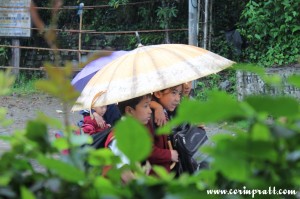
90,125
162,154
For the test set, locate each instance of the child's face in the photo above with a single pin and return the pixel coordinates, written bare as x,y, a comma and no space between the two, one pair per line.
100,110
142,111
170,97
187,87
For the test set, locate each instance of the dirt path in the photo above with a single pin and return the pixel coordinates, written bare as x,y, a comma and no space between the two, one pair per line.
25,107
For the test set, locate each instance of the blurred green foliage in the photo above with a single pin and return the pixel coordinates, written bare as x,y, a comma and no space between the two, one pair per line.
264,153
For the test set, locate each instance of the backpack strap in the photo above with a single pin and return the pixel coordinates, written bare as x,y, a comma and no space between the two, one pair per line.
109,139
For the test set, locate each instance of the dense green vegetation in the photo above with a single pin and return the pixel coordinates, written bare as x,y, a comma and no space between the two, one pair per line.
272,30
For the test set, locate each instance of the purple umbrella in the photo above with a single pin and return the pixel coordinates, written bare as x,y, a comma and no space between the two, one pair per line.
82,78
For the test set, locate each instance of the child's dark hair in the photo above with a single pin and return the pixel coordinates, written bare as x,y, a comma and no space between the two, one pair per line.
132,102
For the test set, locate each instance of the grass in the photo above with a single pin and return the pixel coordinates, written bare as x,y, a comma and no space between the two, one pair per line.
244,125
26,88
24,85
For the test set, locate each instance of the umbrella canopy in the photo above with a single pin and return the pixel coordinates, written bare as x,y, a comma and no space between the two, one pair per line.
82,78
148,69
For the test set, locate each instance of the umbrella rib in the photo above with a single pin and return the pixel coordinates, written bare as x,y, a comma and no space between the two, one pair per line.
163,81
123,58
134,72
191,65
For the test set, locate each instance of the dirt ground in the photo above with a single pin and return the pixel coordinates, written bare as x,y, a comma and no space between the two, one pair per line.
22,108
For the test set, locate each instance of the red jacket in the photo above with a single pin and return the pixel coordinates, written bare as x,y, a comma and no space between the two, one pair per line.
161,154
90,126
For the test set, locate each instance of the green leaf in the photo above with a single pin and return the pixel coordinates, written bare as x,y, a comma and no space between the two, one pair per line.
260,132
79,140
262,150
230,156
58,84
253,68
133,139
257,36
102,157
5,178
3,121
54,122
62,169
61,143
233,167
272,79
220,106
6,81
37,132
26,194
208,176
104,185
294,80
44,85
295,14
274,105
163,174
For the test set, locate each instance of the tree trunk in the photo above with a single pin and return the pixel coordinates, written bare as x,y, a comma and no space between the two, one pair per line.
167,35
15,57
205,26
193,23
210,24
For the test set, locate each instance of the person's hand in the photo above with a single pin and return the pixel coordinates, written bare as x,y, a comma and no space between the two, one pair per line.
174,155
202,126
159,116
100,121
127,176
145,168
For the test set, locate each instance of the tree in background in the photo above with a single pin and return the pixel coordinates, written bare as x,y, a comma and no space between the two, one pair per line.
272,30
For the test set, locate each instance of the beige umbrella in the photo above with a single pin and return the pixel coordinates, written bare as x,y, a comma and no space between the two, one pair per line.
147,69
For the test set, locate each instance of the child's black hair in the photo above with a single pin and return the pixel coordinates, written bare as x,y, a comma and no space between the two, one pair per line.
132,102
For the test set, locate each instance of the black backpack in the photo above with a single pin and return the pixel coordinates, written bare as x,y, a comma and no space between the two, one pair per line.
187,139
99,138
